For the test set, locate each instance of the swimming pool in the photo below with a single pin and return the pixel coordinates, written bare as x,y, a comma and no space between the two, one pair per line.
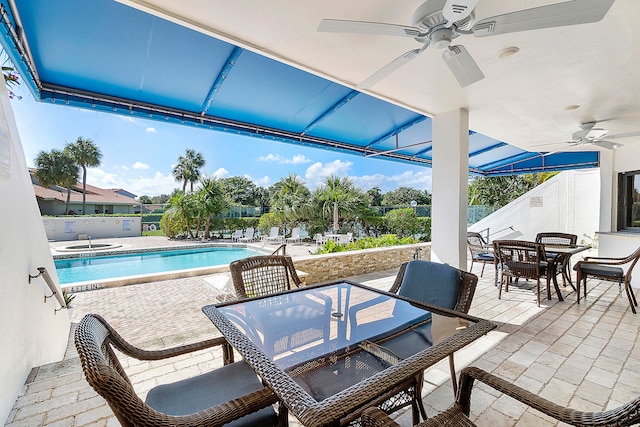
100,268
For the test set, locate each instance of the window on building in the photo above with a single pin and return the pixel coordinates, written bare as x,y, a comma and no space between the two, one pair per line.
629,201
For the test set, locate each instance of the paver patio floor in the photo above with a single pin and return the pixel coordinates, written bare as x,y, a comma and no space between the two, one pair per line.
584,356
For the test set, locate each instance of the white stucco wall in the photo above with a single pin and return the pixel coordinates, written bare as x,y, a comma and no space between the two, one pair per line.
74,228
31,334
568,203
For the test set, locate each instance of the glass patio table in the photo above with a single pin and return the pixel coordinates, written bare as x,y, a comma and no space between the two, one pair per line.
329,351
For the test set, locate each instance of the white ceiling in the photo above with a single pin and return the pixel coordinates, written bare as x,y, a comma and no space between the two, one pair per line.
524,98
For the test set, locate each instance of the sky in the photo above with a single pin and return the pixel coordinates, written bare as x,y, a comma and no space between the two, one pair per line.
138,155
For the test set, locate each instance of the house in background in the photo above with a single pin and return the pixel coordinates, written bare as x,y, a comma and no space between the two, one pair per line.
52,200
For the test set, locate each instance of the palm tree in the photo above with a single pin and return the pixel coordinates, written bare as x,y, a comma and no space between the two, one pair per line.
188,168
182,208
339,197
290,197
57,168
86,154
211,201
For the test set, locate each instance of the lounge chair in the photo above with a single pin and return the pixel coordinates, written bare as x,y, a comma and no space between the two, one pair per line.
295,236
219,397
237,235
274,236
248,235
320,239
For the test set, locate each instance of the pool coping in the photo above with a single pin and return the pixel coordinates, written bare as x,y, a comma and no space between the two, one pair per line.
91,285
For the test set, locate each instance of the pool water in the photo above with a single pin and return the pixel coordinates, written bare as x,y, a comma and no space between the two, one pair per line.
99,267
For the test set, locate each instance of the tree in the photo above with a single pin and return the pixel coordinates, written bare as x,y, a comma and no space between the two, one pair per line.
240,190
211,201
341,195
86,154
182,209
145,200
188,168
498,191
57,168
289,197
375,196
402,196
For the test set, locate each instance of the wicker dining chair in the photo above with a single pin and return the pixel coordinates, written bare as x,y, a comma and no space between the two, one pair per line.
557,238
263,275
480,250
519,259
610,269
458,414
436,284
231,395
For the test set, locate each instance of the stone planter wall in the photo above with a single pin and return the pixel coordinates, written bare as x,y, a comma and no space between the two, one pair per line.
322,268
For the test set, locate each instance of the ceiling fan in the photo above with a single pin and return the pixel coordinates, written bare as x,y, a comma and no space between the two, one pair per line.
589,134
437,22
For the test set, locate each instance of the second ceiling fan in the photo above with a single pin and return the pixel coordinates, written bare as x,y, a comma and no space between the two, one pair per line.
437,22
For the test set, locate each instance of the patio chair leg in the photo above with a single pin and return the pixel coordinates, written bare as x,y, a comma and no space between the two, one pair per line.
482,271
538,292
454,381
632,298
417,406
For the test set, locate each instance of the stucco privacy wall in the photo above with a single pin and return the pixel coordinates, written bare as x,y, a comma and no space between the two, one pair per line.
568,203
31,334
73,228
321,268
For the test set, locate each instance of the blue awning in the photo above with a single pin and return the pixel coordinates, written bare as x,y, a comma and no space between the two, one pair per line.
100,54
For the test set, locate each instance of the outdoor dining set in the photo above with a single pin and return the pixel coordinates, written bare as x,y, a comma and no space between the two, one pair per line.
342,353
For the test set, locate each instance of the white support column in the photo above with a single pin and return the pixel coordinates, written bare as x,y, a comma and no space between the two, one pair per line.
608,192
450,182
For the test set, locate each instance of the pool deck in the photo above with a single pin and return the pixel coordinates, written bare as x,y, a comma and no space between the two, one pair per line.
584,356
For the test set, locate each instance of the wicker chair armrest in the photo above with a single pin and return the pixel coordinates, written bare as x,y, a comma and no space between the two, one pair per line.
118,342
622,416
375,417
605,260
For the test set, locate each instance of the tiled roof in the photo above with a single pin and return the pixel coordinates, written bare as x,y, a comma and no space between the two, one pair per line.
95,195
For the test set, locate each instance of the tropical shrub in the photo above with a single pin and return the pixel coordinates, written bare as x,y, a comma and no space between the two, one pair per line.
365,243
172,226
269,220
402,222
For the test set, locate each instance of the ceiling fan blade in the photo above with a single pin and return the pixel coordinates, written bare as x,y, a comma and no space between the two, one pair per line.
390,67
457,10
363,27
554,15
624,135
552,143
609,145
462,65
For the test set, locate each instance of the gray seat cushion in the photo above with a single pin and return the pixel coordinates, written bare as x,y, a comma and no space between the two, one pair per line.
432,283
601,270
213,388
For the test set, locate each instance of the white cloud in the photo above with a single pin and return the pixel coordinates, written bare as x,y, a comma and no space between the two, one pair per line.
265,181
140,165
151,186
221,173
419,180
151,130
317,172
127,119
295,160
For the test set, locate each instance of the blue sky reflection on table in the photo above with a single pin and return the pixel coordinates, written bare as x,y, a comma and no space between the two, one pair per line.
139,155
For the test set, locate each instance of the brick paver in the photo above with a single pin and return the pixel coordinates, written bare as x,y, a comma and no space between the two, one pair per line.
586,356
